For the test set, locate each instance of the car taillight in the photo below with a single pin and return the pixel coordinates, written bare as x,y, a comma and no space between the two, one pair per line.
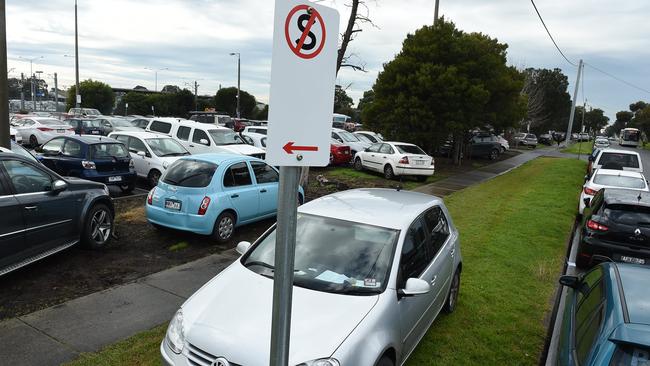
593,225
433,162
205,203
45,129
589,191
131,164
88,164
150,196
404,160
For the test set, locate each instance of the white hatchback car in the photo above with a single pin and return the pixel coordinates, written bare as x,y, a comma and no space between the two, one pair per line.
368,285
396,159
152,153
616,159
607,178
38,130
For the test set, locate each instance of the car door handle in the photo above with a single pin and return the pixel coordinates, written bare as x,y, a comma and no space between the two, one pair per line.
191,145
384,157
263,191
453,252
31,208
433,281
234,196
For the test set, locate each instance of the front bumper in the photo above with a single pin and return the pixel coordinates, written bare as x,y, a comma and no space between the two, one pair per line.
341,158
165,357
414,171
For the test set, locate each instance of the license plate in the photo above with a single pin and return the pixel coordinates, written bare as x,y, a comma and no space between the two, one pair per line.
115,179
94,132
419,162
173,205
60,131
632,260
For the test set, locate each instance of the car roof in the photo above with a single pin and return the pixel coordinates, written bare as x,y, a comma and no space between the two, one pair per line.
635,287
618,151
373,206
140,134
189,122
620,173
220,158
398,143
626,196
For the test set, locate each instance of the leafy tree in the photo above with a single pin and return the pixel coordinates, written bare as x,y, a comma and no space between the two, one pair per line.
166,104
594,120
342,102
366,100
549,103
262,114
226,100
445,81
94,94
638,106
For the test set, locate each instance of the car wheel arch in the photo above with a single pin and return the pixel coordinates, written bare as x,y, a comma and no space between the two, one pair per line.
105,200
231,211
391,353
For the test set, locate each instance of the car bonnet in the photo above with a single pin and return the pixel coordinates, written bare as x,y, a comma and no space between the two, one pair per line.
231,317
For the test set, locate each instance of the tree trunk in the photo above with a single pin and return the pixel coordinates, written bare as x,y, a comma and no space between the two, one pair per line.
347,35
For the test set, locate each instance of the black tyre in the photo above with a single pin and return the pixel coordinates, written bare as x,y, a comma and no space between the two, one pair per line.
385,361
357,164
224,227
494,154
33,141
153,177
503,150
388,172
421,178
331,159
98,227
128,188
452,296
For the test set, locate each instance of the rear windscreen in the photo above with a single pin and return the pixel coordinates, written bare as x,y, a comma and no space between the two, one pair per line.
628,214
100,151
410,149
618,160
629,355
617,181
190,173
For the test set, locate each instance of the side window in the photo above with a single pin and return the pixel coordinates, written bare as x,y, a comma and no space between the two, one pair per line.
161,127
123,139
336,137
183,133
264,173
200,135
247,140
26,178
106,124
237,175
73,149
589,314
414,258
136,145
386,149
53,147
438,227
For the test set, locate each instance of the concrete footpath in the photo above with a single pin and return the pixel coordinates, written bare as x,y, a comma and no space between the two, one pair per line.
87,324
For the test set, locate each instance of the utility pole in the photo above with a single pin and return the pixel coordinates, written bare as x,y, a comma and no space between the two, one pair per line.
196,95
56,93
5,136
77,101
34,91
22,91
238,80
435,14
573,105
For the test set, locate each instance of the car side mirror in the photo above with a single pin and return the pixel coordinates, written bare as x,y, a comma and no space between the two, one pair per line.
141,154
591,158
570,281
59,186
414,287
587,202
204,142
586,177
243,247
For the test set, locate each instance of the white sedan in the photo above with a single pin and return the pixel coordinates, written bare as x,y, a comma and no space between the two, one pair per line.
608,178
15,135
38,130
368,284
152,153
396,159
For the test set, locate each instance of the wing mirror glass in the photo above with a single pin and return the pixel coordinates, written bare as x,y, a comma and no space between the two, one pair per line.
243,247
570,281
59,186
141,153
414,287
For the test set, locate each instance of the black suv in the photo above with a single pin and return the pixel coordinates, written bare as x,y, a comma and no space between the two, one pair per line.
43,213
616,224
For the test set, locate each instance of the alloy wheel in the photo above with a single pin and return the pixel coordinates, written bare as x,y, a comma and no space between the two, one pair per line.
100,227
226,227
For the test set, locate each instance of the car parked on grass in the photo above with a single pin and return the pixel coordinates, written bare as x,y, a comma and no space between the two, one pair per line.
43,213
202,138
616,159
525,139
85,126
396,159
152,153
37,130
607,178
485,145
370,136
616,224
349,139
368,284
212,194
100,159
606,320
339,153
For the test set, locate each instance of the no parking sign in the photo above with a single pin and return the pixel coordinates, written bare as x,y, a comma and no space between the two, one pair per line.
303,73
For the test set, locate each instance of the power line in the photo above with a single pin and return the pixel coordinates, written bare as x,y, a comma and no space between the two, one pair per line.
549,34
618,79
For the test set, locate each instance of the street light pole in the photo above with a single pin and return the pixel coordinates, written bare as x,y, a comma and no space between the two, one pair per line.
238,80
4,92
77,101
155,71
36,89
435,14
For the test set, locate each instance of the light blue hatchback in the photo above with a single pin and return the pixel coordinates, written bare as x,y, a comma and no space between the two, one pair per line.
212,194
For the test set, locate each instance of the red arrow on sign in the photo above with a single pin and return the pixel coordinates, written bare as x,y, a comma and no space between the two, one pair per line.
290,148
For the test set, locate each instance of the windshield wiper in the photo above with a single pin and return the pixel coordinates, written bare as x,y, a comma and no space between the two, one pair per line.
259,263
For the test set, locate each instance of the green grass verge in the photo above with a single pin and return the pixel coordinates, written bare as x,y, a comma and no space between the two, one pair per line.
348,174
584,147
513,234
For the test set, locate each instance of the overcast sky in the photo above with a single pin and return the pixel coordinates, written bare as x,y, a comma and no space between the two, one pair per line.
193,39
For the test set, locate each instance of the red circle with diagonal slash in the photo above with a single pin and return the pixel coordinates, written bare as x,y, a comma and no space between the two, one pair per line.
315,15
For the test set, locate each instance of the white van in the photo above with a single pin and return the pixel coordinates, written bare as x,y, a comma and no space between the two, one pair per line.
201,138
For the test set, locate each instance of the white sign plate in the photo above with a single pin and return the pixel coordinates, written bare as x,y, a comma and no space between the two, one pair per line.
303,72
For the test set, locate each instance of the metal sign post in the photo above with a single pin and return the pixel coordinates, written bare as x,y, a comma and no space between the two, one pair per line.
303,71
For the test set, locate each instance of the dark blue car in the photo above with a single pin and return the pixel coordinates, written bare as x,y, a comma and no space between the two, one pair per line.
100,159
607,317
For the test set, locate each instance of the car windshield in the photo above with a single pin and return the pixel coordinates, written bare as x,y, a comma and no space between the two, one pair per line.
166,147
613,160
190,173
410,149
49,121
333,255
348,137
118,122
226,137
364,138
618,181
17,149
634,215
108,150
90,112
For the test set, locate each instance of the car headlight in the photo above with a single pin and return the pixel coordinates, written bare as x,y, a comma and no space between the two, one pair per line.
175,337
321,362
